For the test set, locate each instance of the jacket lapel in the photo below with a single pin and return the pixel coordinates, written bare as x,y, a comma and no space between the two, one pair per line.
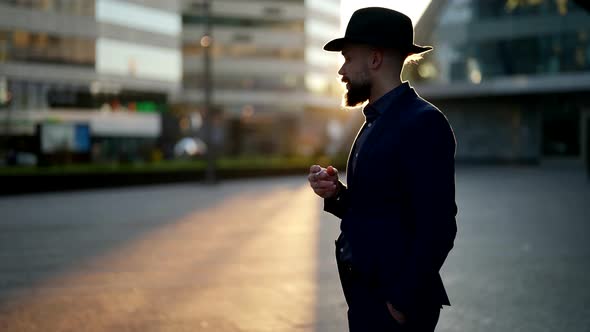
349,172
388,120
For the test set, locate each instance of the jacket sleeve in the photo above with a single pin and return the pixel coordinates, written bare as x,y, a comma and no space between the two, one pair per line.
337,205
428,164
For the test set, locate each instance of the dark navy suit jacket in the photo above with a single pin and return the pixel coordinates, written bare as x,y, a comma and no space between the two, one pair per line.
398,211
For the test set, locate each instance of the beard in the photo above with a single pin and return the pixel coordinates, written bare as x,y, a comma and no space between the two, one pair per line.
358,93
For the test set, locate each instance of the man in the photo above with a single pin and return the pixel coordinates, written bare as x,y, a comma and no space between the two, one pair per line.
398,210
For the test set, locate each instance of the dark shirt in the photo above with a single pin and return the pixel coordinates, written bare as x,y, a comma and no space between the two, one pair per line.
372,112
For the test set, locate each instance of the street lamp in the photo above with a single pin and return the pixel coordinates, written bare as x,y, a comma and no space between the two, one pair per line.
206,43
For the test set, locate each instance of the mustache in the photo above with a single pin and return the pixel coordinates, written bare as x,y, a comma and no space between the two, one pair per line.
345,80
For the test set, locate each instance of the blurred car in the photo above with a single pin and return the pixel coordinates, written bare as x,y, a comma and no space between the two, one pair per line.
189,147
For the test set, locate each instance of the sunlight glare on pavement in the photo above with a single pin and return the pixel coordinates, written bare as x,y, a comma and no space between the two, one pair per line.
245,264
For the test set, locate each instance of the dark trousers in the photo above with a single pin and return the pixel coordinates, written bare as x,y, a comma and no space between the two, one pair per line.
367,308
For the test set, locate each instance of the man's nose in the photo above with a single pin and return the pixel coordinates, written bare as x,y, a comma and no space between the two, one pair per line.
341,71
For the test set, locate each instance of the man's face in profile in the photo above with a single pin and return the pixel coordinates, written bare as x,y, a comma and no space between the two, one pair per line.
355,73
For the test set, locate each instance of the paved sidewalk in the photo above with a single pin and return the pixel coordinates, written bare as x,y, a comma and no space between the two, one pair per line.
257,255
522,257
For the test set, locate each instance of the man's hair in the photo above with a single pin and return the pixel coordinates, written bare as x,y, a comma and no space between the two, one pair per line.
413,58
408,58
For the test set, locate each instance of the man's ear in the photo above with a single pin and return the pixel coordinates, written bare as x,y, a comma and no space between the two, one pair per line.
376,58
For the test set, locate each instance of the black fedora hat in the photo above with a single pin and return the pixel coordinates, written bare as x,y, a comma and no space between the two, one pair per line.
380,27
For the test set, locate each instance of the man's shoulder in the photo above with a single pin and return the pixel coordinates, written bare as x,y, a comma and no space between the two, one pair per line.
412,100
417,108
420,115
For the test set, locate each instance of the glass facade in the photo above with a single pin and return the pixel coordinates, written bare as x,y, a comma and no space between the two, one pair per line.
560,53
136,60
284,83
26,95
243,51
70,7
265,47
267,23
138,17
510,74
41,47
35,96
245,45
100,67
503,38
314,31
502,8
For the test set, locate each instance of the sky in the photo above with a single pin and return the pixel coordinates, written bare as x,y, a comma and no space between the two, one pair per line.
412,8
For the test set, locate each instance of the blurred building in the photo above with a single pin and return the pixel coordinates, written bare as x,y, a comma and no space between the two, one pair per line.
275,86
109,65
512,76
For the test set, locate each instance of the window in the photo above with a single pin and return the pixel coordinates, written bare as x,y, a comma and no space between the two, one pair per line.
24,46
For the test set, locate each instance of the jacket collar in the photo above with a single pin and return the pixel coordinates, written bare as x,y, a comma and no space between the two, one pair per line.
379,106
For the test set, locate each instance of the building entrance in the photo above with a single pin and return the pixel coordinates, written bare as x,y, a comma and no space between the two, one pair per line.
561,130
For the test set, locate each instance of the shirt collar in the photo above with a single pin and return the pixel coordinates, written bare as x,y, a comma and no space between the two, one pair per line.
384,102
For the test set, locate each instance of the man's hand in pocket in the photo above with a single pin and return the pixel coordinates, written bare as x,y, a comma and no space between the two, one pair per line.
398,316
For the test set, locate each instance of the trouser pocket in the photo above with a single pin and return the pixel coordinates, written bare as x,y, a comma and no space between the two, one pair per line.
345,273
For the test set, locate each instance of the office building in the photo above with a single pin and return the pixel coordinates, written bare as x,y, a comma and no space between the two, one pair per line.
273,84
110,65
512,76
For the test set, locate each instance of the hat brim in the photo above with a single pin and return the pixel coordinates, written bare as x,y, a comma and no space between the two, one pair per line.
338,45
